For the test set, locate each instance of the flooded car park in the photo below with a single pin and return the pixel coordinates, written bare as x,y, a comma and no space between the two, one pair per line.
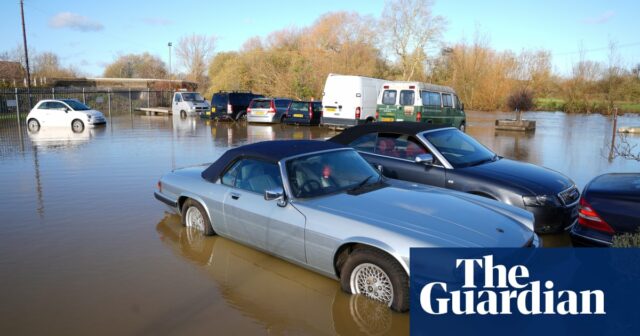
85,248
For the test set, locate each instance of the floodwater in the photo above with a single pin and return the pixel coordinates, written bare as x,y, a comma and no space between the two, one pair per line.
86,249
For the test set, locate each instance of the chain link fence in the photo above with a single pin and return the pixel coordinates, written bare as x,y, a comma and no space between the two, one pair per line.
16,103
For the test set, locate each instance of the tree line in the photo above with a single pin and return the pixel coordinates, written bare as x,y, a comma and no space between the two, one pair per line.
404,43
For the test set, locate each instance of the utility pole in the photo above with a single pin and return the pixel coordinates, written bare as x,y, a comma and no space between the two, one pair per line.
169,45
26,52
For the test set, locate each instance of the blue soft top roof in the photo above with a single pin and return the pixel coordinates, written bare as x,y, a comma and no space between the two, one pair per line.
271,151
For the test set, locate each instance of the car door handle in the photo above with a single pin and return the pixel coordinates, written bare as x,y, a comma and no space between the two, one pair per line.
235,195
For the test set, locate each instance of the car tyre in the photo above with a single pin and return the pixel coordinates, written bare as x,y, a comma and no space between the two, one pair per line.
33,125
194,215
183,114
77,126
390,283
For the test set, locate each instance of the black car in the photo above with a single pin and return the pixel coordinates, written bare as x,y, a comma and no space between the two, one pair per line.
304,113
610,205
230,105
446,157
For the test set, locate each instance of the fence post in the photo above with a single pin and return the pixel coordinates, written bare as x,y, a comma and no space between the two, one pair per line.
109,100
53,93
84,99
130,105
148,94
17,106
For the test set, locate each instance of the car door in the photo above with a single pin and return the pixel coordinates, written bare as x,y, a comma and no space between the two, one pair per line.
177,98
252,219
58,114
447,109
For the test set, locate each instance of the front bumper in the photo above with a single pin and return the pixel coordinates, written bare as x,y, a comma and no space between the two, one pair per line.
164,199
553,219
97,121
585,237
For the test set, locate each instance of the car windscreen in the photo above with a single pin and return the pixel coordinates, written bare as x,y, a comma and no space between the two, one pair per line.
261,104
76,105
328,173
192,96
459,149
219,99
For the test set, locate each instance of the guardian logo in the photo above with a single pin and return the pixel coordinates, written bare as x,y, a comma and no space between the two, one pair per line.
506,291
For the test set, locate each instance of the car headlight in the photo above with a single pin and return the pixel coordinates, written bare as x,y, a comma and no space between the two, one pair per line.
541,200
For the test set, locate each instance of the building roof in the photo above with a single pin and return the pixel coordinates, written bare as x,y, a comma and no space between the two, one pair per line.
271,151
11,70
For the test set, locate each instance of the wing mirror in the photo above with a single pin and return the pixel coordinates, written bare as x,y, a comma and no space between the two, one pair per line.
425,159
276,194
66,110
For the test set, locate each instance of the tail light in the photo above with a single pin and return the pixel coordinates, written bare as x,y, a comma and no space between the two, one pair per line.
159,186
377,114
358,110
310,111
272,108
229,108
248,110
418,116
587,217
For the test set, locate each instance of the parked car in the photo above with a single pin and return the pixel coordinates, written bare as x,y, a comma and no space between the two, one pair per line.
188,103
446,157
230,105
349,100
268,110
304,113
421,102
63,113
321,205
610,205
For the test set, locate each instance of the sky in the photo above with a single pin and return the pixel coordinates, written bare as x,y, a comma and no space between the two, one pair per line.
87,35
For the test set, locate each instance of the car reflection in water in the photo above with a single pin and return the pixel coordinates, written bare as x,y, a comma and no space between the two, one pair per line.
63,137
280,296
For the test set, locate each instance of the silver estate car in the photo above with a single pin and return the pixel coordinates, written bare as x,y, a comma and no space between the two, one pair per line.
322,206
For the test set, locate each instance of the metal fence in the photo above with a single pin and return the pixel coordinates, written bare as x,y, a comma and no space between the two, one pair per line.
18,102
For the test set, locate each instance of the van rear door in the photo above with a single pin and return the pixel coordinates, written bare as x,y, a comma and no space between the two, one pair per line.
432,102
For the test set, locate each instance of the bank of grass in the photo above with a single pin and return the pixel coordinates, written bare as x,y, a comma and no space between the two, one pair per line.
592,106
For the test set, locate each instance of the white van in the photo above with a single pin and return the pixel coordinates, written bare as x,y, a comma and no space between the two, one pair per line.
349,100
189,103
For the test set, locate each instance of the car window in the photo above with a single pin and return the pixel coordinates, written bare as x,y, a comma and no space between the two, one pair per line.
253,175
389,97
177,98
407,97
430,98
76,105
219,99
401,146
326,173
261,104
458,105
192,96
44,106
282,103
447,100
458,148
365,143
56,106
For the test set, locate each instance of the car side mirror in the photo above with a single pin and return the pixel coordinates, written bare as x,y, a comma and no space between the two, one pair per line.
426,159
462,106
275,194
66,110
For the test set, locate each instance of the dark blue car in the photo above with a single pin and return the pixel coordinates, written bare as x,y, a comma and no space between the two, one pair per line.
610,205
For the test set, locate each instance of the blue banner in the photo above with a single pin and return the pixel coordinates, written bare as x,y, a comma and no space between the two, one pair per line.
563,291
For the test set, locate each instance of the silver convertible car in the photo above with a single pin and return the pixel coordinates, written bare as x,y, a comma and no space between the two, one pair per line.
322,206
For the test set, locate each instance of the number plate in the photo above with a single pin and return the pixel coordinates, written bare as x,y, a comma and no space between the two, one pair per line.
213,109
330,109
298,115
387,119
259,113
208,113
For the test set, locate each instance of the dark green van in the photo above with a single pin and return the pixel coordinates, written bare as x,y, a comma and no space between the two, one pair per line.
415,101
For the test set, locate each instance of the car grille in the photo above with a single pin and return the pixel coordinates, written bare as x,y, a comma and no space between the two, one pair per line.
201,109
569,196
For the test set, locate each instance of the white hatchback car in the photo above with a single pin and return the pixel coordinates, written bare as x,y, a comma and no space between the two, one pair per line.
63,113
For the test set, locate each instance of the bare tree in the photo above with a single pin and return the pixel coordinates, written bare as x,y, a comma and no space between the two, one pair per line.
47,64
625,149
412,29
142,65
195,52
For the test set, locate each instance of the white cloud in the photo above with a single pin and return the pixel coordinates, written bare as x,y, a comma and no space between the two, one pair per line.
157,21
75,22
600,19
